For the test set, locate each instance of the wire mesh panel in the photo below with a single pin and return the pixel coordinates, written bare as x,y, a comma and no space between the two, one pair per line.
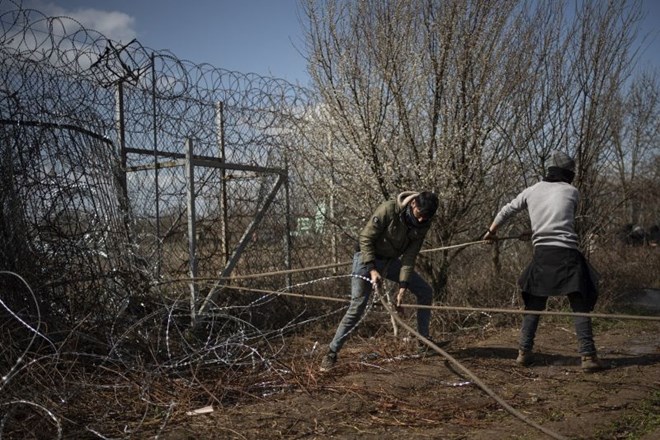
94,188
143,105
124,171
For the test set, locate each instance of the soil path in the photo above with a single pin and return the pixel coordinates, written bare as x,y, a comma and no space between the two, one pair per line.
381,390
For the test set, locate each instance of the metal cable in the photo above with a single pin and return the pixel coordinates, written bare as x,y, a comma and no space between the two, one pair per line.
469,373
456,308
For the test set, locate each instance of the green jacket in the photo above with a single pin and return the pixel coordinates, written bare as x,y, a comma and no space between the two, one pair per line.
386,235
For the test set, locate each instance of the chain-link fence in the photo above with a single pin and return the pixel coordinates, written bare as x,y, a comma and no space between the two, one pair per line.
126,172
95,136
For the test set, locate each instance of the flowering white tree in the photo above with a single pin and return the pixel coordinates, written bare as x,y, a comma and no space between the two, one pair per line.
466,98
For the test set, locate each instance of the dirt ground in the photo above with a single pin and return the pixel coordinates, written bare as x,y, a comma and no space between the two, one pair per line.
381,389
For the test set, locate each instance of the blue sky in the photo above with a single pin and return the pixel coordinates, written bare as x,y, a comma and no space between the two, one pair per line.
249,36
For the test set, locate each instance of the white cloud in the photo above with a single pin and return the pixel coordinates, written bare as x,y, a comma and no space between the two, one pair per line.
114,25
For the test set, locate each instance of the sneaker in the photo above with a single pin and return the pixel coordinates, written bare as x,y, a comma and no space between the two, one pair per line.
524,358
591,363
329,361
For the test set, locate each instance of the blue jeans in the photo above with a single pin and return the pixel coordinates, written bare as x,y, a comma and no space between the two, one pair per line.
583,330
361,289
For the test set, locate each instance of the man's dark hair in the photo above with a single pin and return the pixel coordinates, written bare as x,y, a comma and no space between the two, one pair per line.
427,203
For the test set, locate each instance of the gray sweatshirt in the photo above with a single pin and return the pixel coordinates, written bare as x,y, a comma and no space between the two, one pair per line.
551,207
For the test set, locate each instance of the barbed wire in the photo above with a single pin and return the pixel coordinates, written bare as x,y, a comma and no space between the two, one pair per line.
95,288
92,220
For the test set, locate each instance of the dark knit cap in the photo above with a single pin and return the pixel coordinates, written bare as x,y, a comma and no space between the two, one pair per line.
562,160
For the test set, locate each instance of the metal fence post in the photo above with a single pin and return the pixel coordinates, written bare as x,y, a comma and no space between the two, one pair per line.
287,238
156,180
192,238
121,170
224,221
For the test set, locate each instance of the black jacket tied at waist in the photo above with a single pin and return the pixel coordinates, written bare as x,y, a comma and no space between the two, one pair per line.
556,271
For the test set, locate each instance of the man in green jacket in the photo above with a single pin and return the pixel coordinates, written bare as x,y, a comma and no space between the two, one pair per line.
388,247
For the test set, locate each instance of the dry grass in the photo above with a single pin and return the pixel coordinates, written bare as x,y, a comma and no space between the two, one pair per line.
139,373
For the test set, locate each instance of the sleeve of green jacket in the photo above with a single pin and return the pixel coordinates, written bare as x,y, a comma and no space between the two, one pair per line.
373,231
408,259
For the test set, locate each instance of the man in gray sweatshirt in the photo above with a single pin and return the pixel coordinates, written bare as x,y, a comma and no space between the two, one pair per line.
557,267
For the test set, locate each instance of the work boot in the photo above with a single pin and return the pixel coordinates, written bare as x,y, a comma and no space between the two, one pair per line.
524,358
329,361
591,363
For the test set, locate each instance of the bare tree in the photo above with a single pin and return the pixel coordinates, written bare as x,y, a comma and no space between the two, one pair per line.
585,55
599,61
428,95
467,98
636,133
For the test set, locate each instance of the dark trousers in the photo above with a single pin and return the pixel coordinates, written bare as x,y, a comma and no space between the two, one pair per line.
583,330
